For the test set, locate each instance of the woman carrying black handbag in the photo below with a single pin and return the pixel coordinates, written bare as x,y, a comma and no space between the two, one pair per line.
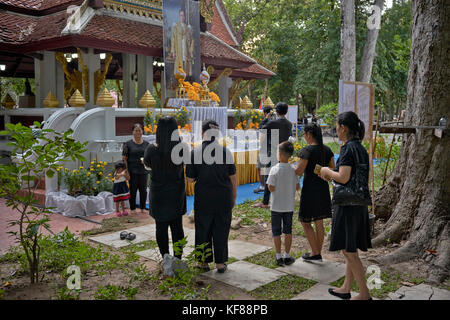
350,222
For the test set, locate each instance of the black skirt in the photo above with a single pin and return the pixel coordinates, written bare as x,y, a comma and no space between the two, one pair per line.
350,229
315,200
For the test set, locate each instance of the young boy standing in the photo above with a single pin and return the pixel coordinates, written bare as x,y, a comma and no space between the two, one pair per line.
282,183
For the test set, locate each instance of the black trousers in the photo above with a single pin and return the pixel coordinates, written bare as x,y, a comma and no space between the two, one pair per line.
162,234
138,182
213,230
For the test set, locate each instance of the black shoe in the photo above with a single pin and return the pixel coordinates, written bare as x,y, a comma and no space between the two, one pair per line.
131,236
288,261
345,296
222,270
306,255
316,257
203,268
123,235
279,262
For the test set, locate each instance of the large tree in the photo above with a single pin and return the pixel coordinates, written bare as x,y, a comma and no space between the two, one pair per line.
416,198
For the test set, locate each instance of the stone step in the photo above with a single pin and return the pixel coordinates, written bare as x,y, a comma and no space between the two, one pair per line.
323,272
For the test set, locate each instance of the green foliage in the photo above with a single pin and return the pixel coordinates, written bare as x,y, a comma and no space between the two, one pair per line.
284,288
249,214
328,113
36,156
67,294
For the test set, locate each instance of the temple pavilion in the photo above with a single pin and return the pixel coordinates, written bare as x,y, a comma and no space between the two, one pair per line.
110,39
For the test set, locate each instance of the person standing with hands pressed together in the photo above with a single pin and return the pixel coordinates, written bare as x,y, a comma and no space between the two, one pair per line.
350,229
282,183
133,152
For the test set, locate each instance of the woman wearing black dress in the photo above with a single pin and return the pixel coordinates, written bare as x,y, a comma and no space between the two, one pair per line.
350,229
167,188
315,201
133,151
212,168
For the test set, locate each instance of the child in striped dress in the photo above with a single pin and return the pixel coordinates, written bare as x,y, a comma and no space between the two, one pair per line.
120,189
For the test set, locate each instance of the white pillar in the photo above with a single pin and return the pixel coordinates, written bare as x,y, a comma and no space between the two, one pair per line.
49,76
92,62
225,84
129,85
145,75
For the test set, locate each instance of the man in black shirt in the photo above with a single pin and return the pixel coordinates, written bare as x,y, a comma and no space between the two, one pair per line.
267,117
268,152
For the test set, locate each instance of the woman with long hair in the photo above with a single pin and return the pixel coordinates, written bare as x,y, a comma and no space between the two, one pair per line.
315,201
350,229
167,187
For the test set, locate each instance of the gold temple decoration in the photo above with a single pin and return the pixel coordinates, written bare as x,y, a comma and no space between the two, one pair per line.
77,100
76,78
225,73
268,103
204,90
100,77
118,87
50,101
8,102
207,9
158,92
235,90
180,75
147,100
246,103
144,8
105,99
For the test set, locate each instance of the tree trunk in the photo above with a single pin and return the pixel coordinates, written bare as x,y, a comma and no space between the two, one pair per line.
416,196
365,68
348,40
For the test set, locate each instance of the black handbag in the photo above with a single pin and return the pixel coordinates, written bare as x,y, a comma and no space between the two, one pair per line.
356,191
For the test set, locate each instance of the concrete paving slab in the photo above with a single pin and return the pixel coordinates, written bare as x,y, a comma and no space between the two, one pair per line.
113,239
242,250
419,292
318,292
323,272
245,275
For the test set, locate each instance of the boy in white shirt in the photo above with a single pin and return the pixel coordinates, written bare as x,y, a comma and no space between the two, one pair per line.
282,183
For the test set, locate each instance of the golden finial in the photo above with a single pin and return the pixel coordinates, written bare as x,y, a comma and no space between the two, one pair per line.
8,102
147,100
105,99
268,103
246,103
77,100
50,101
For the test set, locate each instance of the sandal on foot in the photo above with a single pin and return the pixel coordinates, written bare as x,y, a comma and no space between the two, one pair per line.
118,214
124,213
222,270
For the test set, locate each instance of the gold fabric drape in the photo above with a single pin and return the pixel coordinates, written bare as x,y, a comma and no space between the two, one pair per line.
246,171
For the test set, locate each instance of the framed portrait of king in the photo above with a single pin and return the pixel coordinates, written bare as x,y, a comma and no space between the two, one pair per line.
181,39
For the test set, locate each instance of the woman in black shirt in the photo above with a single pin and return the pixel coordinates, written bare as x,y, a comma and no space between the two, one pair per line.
212,168
167,187
133,151
315,201
350,228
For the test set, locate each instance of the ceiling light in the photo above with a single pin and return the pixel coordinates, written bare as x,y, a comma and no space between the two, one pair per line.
2,67
102,56
74,55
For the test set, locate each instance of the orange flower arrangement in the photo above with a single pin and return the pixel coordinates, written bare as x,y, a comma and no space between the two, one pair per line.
214,97
150,129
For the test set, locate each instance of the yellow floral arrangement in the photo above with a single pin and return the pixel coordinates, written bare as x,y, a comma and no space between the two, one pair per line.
247,119
214,97
193,92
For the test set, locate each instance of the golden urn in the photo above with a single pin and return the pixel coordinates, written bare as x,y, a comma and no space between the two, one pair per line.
246,103
50,101
77,100
147,100
268,103
8,102
105,99
180,75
